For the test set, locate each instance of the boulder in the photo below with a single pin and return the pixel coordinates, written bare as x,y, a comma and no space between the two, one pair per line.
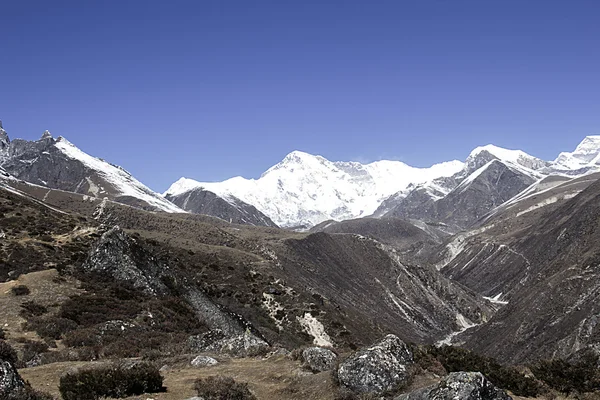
246,344
203,361
378,368
459,385
10,380
319,359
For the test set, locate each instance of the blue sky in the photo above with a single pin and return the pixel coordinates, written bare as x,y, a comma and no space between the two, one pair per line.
214,89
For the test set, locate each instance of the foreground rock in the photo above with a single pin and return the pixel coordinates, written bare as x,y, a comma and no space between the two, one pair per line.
10,380
459,385
203,361
319,359
376,369
246,344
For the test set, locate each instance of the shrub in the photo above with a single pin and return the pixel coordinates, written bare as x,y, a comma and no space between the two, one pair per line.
28,393
7,353
51,327
222,388
88,310
2,334
31,308
20,290
455,359
580,376
115,380
32,350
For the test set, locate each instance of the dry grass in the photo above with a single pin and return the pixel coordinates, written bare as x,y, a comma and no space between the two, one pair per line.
275,378
46,288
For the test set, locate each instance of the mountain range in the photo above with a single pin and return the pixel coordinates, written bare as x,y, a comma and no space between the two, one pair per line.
497,253
304,190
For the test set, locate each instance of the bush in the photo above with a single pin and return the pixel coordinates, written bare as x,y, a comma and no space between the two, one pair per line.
222,388
455,359
28,393
20,290
581,376
7,353
89,310
116,380
32,350
51,327
31,308
2,334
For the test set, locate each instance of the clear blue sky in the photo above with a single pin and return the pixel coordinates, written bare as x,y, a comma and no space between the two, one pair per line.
214,89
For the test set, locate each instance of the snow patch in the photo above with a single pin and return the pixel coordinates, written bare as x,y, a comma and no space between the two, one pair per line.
316,329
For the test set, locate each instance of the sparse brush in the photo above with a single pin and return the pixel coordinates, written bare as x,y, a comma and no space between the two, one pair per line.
115,380
20,290
222,388
7,353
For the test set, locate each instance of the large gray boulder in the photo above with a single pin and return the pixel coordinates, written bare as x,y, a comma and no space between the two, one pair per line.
319,359
376,369
459,385
242,345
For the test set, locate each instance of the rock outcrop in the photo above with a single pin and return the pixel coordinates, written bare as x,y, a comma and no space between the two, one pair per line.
459,385
126,260
378,368
319,359
10,380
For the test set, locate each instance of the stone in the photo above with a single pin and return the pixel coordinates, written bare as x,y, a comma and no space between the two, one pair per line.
459,385
203,361
10,380
378,368
319,359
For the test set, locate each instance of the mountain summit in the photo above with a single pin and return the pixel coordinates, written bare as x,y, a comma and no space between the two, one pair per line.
304,190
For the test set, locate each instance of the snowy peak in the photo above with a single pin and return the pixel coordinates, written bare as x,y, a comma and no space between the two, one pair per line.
481,155
59,164
303,189
586,155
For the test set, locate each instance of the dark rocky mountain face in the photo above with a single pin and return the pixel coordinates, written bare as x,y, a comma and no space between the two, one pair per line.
470,200
554,311
57,164
200,201
351,272
400,234
493,259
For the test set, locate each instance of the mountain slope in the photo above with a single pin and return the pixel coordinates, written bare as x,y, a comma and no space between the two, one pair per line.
485,183
556,312
228,208
304,190
493,259
58,164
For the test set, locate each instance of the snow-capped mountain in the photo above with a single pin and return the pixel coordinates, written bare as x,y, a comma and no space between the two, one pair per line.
585,158
58,164
304,190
